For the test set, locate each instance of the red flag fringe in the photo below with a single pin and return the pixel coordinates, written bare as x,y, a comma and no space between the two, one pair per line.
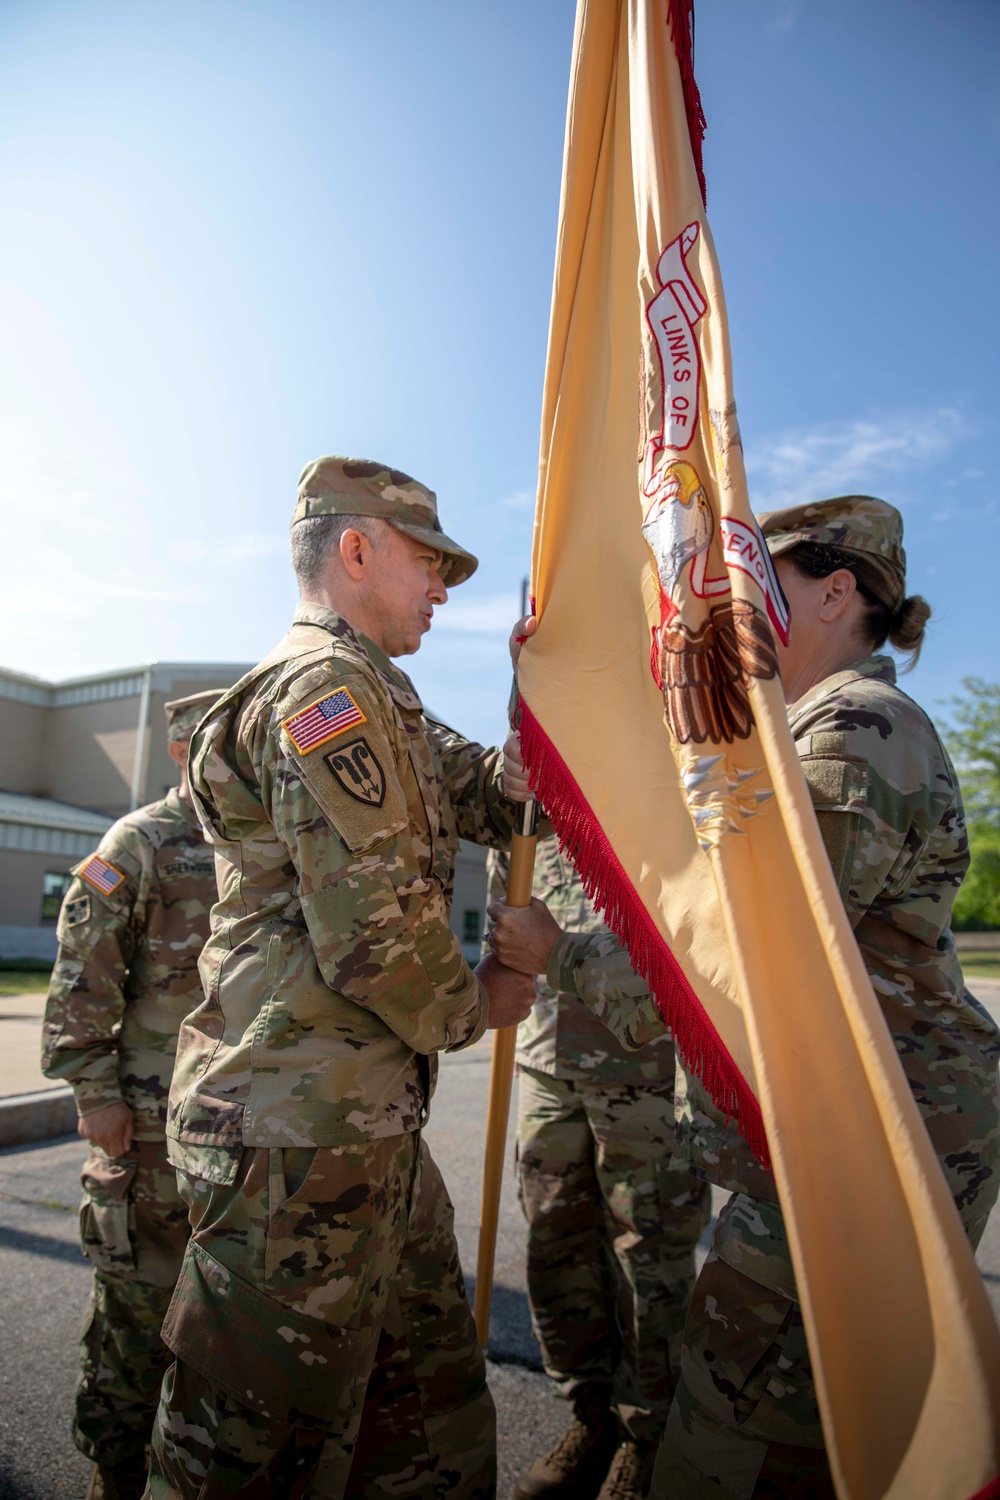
680,19
606,883
990,1492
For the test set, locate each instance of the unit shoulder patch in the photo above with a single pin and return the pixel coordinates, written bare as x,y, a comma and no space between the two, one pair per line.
76,911
102,876
323,720
357,769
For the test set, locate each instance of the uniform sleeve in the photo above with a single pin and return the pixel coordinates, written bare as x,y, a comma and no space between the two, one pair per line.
379,930
86,997
877,799
474,778
598,970
838,786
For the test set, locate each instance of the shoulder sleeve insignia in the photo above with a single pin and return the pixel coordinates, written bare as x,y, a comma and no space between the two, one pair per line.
102,876
357,768
323,721
76,911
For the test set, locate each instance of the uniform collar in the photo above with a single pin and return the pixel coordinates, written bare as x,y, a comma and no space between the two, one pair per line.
181,805
399,685
881,668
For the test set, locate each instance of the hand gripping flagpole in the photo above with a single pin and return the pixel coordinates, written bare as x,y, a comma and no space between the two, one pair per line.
522,868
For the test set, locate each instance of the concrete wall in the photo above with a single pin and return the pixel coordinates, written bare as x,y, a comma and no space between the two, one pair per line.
21,746
21,874
34,944
84,753
90,754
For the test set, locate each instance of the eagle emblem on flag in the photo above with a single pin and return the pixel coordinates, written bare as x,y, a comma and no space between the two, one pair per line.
323,720
702,661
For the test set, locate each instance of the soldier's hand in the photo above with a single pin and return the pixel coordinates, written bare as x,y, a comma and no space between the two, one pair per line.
522,937
522,630
511,995
111,1128
515,778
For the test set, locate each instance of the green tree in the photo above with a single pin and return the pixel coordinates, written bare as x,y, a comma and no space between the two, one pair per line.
973,738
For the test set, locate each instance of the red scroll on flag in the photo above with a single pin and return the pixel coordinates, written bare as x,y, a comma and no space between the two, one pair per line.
654,726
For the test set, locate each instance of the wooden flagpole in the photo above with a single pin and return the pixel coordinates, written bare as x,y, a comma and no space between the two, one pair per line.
522,868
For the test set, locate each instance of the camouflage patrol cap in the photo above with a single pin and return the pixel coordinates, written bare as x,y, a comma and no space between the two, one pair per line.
337,486
854,523
185,714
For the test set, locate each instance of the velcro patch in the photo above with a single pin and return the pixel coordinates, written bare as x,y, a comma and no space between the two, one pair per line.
102,876
76,911
836,782
323,721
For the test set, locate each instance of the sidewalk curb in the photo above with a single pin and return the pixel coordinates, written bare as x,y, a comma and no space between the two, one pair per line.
37,1116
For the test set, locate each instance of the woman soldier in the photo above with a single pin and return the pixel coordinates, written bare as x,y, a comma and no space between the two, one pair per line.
745,1421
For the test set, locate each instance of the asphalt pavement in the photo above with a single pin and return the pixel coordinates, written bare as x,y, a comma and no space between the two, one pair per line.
45,1281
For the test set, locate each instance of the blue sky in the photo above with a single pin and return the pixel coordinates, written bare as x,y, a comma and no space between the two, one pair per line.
234,236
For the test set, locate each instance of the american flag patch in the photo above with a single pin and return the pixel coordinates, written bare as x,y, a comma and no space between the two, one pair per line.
323,721
102,876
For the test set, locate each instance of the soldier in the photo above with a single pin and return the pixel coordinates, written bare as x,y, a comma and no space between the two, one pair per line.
611,1231
323,1337
131,929
745,1421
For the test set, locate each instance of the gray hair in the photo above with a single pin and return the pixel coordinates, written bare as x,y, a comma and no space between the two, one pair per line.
315,538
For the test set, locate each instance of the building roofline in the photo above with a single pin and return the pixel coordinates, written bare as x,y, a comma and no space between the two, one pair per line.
123,682
196,667
48,812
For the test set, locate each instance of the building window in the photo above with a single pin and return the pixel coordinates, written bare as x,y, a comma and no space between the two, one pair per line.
471,920
54,887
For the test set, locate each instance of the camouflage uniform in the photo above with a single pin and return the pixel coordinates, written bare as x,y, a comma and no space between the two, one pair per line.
126,976
323,1337
611,1230
745,1419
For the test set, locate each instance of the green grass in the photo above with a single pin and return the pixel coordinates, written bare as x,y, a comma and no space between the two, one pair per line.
984,964
23,981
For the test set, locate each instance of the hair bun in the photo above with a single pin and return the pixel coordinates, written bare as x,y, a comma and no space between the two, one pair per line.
907,633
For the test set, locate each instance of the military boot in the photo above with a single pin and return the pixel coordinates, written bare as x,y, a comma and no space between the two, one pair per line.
124,1481
575,1467
631,1472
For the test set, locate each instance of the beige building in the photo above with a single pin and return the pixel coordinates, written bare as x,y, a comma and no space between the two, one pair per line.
76,755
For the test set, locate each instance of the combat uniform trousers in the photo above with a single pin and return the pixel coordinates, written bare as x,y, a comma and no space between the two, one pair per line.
324,1336
611,1239
745,1420
134,1227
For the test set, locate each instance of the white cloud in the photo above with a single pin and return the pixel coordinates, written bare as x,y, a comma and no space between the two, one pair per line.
838,458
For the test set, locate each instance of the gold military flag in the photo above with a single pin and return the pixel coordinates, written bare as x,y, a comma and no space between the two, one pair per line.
653,722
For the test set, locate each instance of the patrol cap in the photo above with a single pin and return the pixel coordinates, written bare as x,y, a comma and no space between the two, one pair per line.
184,714
337,486
854,523
850,523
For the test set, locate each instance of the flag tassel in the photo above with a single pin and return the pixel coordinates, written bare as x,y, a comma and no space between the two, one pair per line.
680,19
583,839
